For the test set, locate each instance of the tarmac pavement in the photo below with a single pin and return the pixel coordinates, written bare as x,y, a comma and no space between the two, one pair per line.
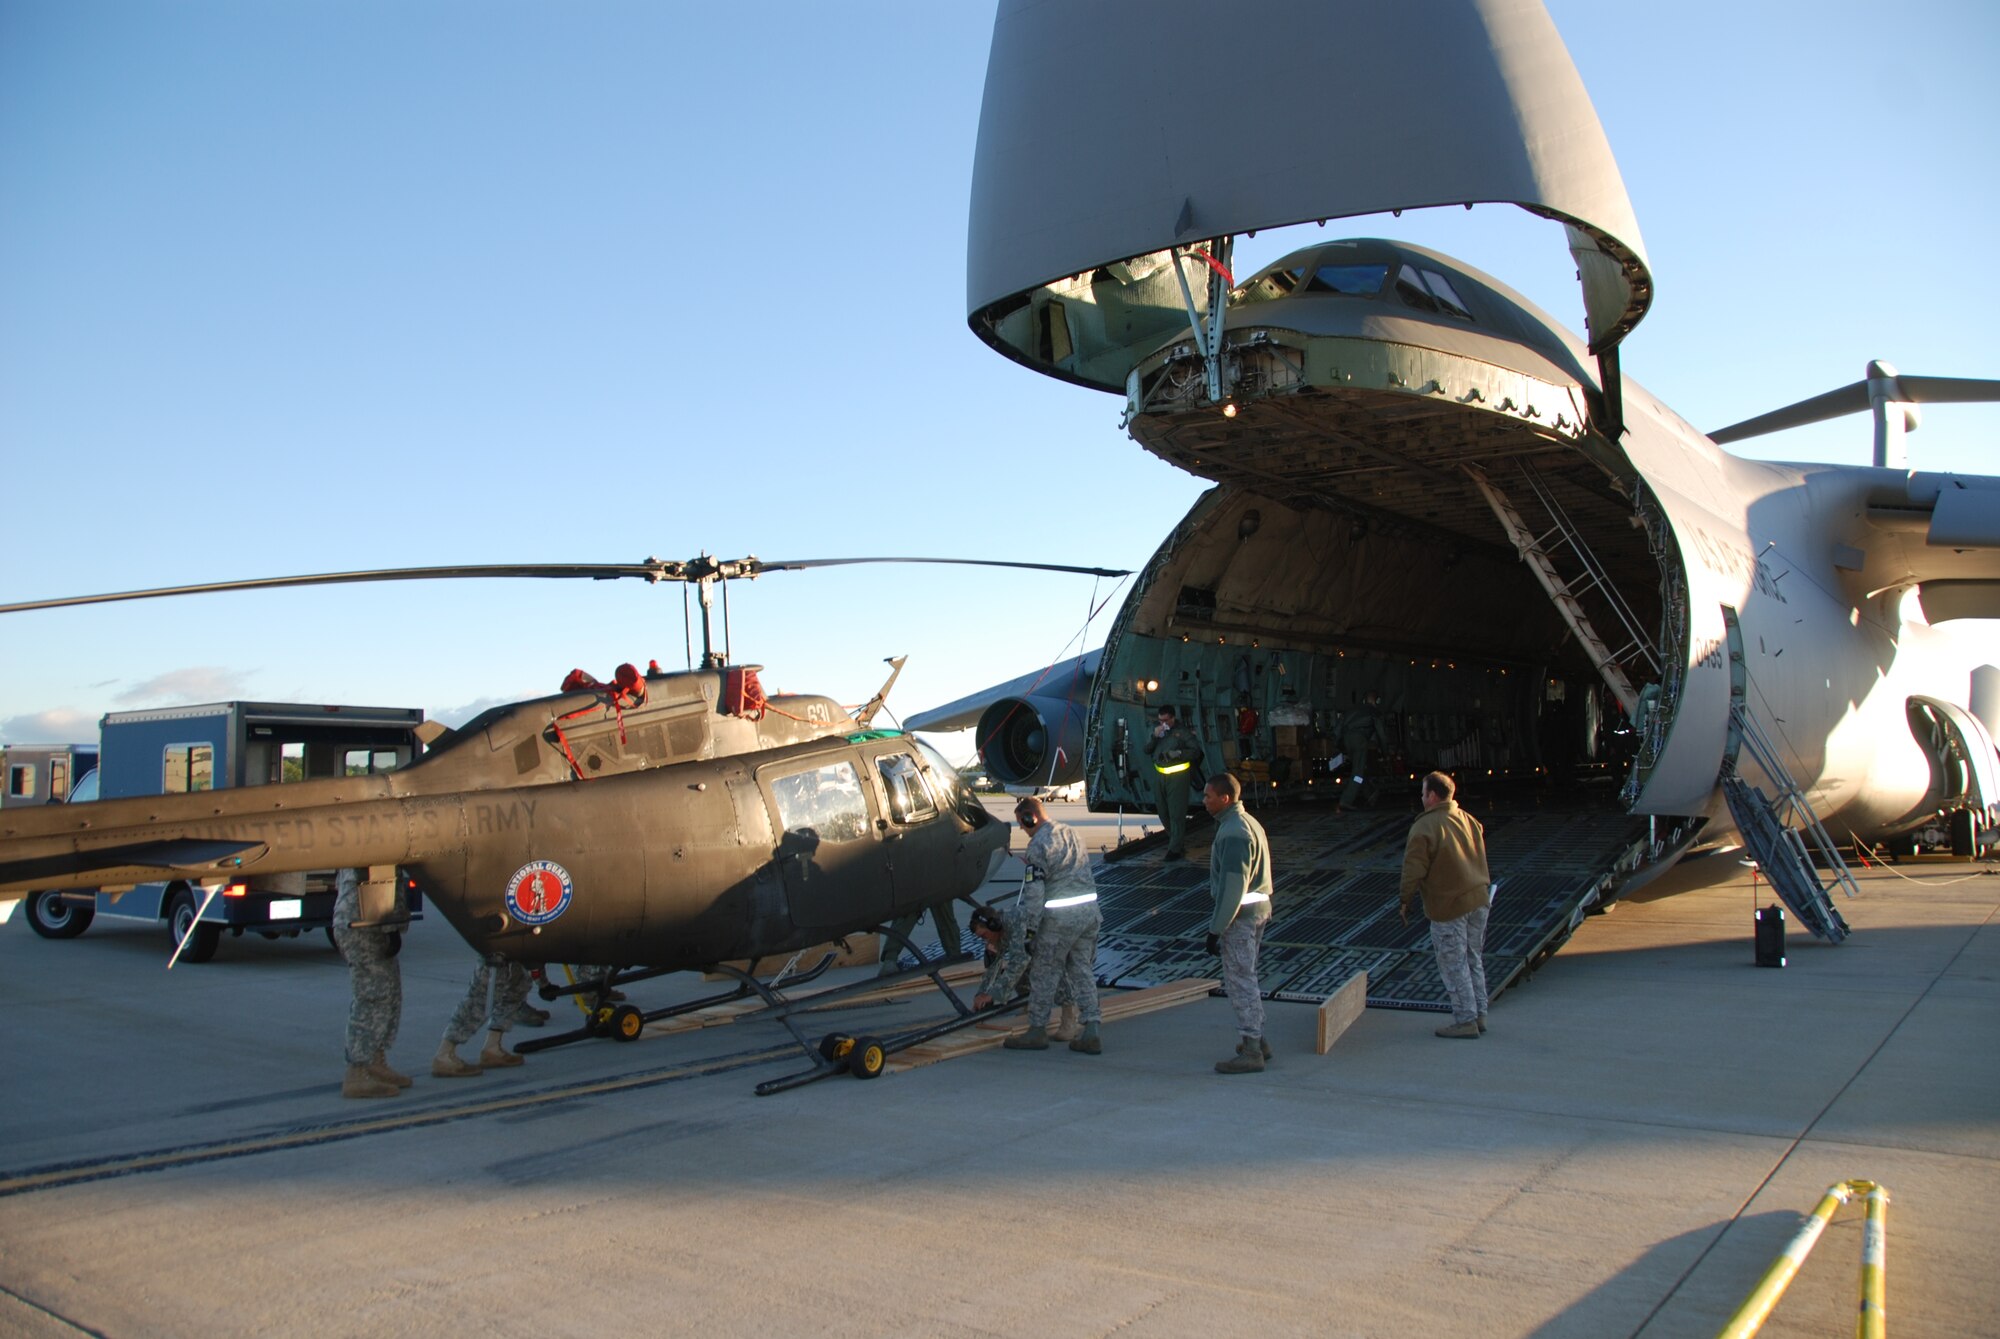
1623,1154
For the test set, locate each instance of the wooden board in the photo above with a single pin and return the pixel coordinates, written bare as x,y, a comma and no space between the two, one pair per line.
1115,1005
1340,1010
714,1015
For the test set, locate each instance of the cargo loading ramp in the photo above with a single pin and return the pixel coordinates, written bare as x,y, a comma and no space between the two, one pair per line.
1336,877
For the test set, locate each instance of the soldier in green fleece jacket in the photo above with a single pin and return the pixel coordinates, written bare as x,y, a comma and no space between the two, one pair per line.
1239,878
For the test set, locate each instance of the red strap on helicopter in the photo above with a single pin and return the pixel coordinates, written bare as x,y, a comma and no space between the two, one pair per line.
626,689
743,695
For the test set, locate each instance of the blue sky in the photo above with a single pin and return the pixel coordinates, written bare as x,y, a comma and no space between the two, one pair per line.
315,286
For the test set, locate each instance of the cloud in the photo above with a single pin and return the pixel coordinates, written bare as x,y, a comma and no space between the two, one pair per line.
57,725
196,683
457,716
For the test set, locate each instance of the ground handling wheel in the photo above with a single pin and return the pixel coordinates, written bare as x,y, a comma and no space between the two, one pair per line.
834,1046
600,1021
626,1023
867,1058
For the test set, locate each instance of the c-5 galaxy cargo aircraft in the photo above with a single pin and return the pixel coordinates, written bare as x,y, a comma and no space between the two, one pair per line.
1429,488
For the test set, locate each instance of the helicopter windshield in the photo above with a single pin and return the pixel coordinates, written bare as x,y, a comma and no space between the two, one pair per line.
948,784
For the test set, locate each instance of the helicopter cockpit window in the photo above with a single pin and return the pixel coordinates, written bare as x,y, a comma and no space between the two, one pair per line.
825,802
946,781
1430,291
909,798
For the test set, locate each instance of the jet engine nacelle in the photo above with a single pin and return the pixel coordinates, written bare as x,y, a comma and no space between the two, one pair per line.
1033,740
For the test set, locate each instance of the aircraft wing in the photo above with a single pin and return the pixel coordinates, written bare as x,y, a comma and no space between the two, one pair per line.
138,862
966,711
1941,534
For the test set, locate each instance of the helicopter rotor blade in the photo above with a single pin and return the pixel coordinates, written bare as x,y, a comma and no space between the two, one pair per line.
698,570
650,570
799,564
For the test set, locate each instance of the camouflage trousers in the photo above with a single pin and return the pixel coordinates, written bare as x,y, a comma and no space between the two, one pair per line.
1459,946
497,989
377,982
1065,955
1240,943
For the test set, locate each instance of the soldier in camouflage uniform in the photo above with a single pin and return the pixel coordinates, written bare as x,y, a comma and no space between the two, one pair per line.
377,982
1239,879
497,989
1007,958
1059,908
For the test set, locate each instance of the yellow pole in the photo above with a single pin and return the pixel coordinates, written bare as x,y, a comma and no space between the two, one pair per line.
1873,1320
1757,1306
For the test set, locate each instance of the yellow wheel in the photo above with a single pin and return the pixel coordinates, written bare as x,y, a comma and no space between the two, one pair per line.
835,1046
626,1023
600,1021
865,1061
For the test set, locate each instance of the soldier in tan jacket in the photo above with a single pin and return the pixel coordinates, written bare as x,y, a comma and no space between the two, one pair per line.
1445,861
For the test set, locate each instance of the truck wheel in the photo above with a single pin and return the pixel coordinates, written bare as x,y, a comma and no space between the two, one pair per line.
52,918
181,923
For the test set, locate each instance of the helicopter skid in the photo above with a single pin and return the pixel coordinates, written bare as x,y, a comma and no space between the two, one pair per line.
624,1022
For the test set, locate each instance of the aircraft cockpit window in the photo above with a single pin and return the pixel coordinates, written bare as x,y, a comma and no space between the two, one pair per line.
1446,295
825,802
1268,286
1354,280
909,798
1431,292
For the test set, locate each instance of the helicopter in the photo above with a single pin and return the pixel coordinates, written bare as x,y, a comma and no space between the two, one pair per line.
659,822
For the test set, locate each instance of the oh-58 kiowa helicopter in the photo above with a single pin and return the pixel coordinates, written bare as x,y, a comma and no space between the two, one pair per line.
658,822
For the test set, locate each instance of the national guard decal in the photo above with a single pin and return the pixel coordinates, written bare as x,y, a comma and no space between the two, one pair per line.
539,892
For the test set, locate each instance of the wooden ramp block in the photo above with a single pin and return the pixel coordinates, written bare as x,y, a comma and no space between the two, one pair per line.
1340,1010
1115,1005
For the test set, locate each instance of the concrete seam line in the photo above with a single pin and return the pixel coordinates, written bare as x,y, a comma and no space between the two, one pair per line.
1792,1145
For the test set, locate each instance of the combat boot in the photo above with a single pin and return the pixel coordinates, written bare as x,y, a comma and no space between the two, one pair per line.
1087,1041
527,1015
1468,1029
1034,1039
360,1083
446,1065
1481,1020
1264,1049
1069,1025
379,1067
1249,1059
497,1056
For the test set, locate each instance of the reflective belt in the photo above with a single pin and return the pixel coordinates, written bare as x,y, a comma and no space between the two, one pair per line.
1170,768
1248,898
1057,902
